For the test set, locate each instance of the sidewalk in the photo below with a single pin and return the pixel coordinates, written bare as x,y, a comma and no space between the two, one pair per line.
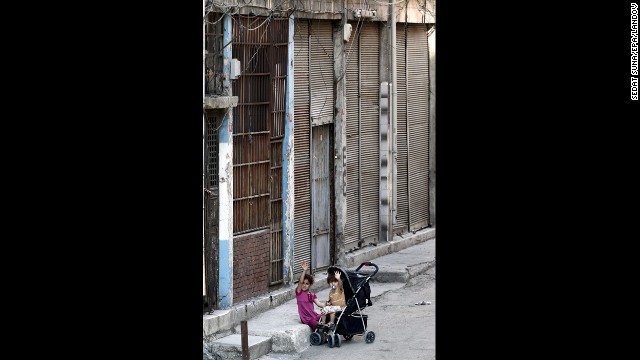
273,323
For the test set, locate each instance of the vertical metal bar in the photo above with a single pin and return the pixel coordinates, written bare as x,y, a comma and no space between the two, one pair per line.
312,172
244,339
393,134
310,146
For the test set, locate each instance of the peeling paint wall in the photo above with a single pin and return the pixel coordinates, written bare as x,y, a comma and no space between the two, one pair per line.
225,171
340,143
288,166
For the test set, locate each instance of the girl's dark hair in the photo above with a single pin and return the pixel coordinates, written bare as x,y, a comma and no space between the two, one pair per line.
331,278
309,278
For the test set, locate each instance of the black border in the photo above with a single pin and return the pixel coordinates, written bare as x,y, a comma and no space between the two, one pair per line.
534,149
123,199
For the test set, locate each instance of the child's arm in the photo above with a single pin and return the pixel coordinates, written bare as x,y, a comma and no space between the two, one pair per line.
305,266
337,275
319,303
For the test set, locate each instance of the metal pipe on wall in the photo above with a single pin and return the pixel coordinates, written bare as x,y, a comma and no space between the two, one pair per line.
204,286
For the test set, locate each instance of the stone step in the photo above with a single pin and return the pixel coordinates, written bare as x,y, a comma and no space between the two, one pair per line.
230,347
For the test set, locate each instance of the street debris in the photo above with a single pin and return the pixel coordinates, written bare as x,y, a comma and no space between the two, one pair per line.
423,303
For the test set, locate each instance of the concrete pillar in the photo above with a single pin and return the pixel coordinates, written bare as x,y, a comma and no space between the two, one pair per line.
204,281
386,226
340,139
287,166
225,171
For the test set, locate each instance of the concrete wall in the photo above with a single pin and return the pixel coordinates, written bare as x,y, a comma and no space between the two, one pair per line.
414,11
225,175
251,265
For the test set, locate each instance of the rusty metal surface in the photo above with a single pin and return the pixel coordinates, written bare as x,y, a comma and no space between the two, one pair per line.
260,44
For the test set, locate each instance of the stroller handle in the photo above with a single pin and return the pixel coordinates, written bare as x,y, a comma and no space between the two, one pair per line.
368,263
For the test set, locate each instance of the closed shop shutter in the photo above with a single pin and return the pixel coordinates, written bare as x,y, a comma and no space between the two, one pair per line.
402,195
418,126
314,102
302,135
363,148
352,224
321,70
370,132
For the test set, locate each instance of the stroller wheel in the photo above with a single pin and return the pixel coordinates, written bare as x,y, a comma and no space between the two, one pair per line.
315,339
348,337
337,341
330,341
369,336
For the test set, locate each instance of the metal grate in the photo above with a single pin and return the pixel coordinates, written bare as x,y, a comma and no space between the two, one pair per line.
261,46
214,59
212,146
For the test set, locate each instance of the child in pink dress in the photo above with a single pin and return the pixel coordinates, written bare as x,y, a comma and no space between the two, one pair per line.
306,299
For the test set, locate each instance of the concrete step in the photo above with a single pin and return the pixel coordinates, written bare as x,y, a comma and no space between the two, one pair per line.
230,347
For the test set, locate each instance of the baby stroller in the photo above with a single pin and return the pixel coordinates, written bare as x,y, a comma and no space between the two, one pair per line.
350,321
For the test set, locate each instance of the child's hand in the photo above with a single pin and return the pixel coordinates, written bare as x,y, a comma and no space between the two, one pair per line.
337,274
305,266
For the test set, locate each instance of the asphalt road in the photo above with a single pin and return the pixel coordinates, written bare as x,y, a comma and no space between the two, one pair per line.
402,329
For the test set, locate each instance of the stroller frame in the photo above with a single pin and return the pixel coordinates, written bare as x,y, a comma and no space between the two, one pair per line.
319,336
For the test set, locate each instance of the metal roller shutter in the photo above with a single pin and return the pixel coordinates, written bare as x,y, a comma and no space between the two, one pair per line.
352,225
370,132
321,70
402,194
302,135
418,126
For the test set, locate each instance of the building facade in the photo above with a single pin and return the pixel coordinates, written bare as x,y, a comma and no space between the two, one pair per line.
318,136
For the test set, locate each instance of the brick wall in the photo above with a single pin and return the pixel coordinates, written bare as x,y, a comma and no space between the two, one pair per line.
250,265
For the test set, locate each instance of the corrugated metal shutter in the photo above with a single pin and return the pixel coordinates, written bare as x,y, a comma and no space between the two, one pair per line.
302,135
370,131
402,194
418,125
363,146
321,70
352,224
